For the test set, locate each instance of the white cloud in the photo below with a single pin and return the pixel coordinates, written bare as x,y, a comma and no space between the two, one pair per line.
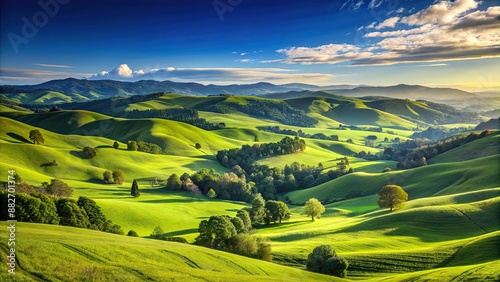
390,22
243,54
443,12
245,60
444,31
32,76
219,75
375,4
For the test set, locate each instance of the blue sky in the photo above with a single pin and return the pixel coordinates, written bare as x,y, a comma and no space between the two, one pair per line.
323,42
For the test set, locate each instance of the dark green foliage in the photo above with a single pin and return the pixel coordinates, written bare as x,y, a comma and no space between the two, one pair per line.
236,187
71,214
299,133
174,239
215,232
132,233
174,182
264,251
186,115
132,146
89,152
271,109
238,225
157,233
134,191
323,259
116,145
36,137
107,177
276,211
198,146
118,176
258,210
110,227
148,147
59,188
245,218
96,217
392,196
245,156
47,209
17,178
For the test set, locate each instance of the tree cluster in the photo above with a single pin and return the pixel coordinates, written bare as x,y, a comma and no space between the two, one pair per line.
231,235
324,259
299,133
144,147
117,176
416,152
264,108
246,155
186,115
40,208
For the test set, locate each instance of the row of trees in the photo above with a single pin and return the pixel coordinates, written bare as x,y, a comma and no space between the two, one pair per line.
415,152
186,115
300,133
40,208
116,176
271,109
144,147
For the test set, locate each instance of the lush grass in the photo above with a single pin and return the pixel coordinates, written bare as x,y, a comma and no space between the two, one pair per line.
487,146
71,254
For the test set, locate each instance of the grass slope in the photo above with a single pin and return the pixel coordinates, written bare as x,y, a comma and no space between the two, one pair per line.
86,255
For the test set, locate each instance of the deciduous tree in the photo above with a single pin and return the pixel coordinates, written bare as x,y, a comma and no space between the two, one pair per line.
36,136
392,196
313,208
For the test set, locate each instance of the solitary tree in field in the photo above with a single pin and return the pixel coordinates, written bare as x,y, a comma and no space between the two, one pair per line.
116,146
36,137
198,146
107,177
135,189
118,176
89,152
392,196
313,208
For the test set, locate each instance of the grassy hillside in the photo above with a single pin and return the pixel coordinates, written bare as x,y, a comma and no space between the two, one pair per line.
97,256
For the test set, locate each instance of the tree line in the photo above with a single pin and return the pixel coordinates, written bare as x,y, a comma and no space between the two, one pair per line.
186,115
299,133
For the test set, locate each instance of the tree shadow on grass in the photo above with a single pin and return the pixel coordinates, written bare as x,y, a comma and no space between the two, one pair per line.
104,146
165,201
182,232
19,138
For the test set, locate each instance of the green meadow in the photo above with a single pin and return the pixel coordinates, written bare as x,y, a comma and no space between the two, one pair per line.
448,230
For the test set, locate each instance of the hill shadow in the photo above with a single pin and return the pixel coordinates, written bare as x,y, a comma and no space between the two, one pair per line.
104,146
19,138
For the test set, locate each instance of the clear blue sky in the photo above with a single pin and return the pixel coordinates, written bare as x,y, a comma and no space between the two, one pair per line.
376,42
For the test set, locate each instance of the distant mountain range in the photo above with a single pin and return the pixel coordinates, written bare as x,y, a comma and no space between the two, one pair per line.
80,90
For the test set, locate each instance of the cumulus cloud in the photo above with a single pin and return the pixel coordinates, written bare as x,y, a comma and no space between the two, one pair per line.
444,31
390,22
215,75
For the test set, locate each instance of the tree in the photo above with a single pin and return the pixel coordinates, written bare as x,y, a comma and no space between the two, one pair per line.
89,152
157,232
118,176
276,211
174,182
71,214
36,136
211,193
132,233
58,188
313,208
392,196
258,211
198,146
96,217
216,232
132,146
116,146
107,177
18,179
134,191
324,259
